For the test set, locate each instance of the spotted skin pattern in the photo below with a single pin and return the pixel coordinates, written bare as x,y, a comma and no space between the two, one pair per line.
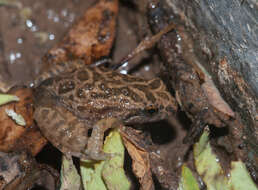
68,105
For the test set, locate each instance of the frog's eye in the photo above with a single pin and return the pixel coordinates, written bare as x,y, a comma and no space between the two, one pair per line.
151,110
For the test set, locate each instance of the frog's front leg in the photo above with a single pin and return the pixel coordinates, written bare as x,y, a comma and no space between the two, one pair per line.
95,142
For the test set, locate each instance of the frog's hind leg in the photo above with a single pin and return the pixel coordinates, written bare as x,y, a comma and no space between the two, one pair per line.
95,142
62,129
101,62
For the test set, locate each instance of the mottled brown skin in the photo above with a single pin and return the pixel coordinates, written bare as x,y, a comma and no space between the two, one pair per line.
84,98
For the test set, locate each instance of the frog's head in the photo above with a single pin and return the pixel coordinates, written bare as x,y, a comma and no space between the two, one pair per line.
151,102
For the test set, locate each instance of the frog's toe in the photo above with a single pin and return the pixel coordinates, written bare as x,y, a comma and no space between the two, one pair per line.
97,155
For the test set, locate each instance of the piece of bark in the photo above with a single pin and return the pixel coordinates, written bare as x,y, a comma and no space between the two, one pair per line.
203,37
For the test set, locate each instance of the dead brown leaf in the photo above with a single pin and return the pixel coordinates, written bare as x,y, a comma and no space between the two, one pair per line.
14,137
91,37
215,98
141,163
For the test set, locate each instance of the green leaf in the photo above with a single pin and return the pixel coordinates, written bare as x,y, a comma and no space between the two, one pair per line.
113,172
187,181
240,178
6,98
108,174
91,175
70,179
207,165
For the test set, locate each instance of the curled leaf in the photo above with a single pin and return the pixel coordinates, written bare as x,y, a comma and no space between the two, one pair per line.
141,164
16,117
215,98
6,98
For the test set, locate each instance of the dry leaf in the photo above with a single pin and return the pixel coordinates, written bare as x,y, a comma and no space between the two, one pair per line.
91,37
215,99
141,163
14,137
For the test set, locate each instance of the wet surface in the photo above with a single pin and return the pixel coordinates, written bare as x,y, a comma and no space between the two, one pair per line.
29,29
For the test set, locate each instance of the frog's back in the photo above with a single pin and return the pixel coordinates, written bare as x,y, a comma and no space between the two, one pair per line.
93,93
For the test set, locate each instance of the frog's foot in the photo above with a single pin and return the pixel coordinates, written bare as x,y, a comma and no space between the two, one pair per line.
195,132
95,142
93,155
197,127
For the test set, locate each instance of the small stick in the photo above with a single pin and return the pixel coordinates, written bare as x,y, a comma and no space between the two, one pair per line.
146,43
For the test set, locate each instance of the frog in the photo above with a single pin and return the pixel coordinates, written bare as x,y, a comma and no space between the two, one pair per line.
75,107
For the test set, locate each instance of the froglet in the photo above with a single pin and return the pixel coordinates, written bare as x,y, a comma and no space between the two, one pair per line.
84,98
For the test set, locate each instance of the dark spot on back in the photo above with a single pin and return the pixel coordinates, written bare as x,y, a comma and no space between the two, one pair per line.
115,91
81,108
116,82
150,96
140,87
66,87
112,75
161,107
71,126
135,97
155,84
48,82
102,87
103,69
83,75
97,76
88,86
108,91
80,93
125,91
94,95
61,64
163,95
129,79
